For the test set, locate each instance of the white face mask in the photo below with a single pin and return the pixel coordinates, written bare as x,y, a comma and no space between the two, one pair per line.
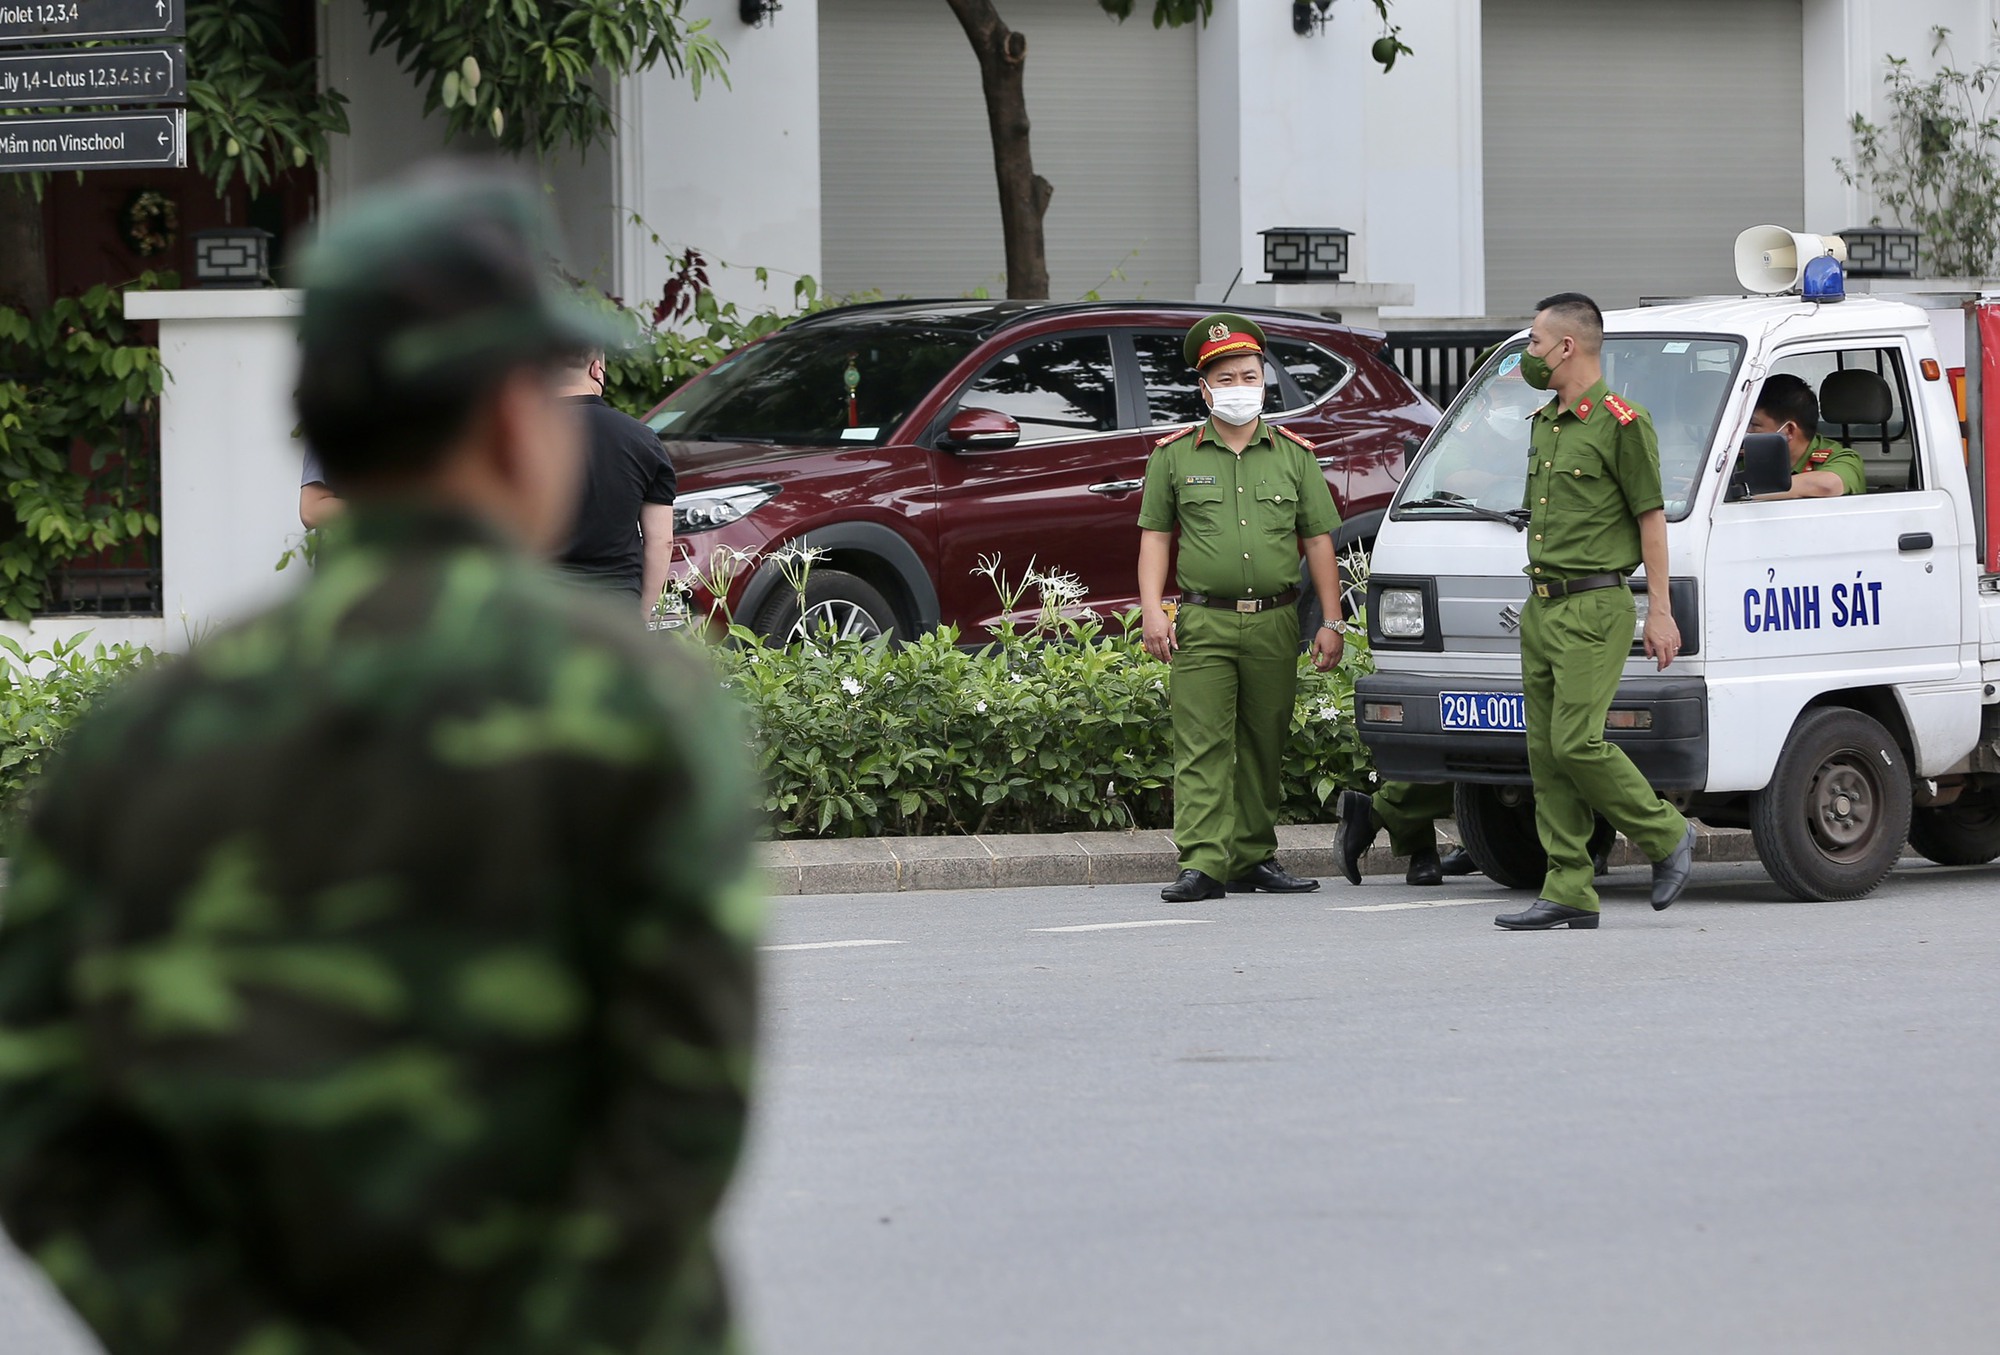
1236,404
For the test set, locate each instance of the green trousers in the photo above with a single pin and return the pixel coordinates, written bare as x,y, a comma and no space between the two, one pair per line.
1231,691
1409,810
1572,651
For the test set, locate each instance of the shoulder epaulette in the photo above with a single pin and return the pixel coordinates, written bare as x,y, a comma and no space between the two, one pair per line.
1176,435
1286,432
1620,411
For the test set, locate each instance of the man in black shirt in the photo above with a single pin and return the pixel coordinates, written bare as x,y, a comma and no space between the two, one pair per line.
624,533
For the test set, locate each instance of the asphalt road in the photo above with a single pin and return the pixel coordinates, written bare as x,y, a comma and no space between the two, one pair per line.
1282,1124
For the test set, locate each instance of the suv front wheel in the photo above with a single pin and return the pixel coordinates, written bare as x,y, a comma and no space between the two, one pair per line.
838,605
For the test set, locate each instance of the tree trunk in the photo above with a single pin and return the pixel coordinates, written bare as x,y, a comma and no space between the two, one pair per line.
24,264
1024,194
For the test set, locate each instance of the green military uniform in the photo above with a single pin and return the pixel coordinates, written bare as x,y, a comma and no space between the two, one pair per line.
1592,470
1410,810
1234,679
1828,455
378,979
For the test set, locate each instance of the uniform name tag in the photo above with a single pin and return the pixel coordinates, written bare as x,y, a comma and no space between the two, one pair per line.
1199,480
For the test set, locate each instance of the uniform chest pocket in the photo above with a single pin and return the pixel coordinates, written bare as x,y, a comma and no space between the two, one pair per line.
1277,507
1200,506
1582,464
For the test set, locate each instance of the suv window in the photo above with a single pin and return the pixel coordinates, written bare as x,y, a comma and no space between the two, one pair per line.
1053,388
1889,450
1316,372
1171,397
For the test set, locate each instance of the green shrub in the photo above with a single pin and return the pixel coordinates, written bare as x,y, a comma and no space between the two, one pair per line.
1060,725
42,695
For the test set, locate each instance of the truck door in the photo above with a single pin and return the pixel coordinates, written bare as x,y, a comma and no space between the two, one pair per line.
1864,586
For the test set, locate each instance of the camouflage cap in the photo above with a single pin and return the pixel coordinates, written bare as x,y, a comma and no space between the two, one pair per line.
438,281
1221,335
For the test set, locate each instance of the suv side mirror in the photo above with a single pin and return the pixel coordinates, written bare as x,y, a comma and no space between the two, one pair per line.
1767,465
981,430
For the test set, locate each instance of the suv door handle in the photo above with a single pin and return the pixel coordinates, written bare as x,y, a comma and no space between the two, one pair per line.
1914,541
1117,486
1325,461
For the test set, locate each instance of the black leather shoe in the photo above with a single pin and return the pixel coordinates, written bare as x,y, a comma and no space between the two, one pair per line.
1272,878
1545,915
1357,832
1192,885
1670,876
1600,864
1603,837
1458,861
1425,868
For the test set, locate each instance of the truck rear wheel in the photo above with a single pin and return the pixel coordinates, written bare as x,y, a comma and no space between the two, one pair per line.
1965,832
1497,826
1834,817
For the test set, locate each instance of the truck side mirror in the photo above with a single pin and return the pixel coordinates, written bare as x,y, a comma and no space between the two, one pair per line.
1767,465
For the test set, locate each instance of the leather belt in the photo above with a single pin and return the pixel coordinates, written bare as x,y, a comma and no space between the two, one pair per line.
1562,588
1284,599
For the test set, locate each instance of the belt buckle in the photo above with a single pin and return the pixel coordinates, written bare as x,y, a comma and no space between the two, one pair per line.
1541,590
1249,605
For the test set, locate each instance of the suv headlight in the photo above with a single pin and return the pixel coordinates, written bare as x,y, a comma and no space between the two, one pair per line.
1400,613
706,509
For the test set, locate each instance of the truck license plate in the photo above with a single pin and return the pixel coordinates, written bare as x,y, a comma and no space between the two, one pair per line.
1496,712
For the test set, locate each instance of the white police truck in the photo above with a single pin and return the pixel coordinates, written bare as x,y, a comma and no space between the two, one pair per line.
1838,689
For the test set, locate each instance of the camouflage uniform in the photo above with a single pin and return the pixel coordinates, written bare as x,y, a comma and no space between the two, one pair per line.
378,979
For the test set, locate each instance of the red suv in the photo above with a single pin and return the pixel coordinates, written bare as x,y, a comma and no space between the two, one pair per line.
910,439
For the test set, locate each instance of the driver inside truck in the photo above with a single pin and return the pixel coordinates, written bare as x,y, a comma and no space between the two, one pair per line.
1821,468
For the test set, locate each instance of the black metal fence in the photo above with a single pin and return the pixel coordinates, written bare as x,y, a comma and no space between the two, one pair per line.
1439,362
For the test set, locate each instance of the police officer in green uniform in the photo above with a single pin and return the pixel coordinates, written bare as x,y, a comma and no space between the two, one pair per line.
1595,512
1244,495
1821,467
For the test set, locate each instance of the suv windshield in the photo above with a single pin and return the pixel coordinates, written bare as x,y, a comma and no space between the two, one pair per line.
1479,457
816,385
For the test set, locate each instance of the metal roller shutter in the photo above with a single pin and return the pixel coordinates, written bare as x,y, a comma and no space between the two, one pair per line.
1627,143
907,197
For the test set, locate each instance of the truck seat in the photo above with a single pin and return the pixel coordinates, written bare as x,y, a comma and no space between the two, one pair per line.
1852,396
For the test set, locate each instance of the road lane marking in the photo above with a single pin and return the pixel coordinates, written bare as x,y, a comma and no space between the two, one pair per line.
831,945
1427,903
1121,926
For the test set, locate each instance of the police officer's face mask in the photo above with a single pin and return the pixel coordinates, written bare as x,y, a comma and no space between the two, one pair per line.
1235,404
1539,371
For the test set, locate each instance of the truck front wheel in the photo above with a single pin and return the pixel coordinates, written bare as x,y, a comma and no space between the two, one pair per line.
1834,817
1497,825
1965,832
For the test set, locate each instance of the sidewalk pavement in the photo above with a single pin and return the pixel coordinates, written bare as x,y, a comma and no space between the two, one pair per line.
884,865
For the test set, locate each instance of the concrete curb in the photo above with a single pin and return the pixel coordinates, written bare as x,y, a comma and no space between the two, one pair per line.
886,865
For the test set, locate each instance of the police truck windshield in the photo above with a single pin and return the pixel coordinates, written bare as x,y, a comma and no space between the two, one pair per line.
1477,463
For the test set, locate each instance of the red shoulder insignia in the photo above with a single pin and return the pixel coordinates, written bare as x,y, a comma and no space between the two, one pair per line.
1177,435
1620,411
1286,432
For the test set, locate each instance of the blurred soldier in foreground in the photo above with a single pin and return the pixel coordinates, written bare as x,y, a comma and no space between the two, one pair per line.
378,978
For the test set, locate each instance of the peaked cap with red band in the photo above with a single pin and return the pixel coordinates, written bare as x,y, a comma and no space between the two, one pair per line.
1221,335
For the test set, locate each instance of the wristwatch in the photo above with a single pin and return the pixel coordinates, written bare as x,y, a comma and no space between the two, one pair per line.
1330,625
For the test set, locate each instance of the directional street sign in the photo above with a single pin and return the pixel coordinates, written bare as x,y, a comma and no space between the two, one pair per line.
42,21
94,141
98,75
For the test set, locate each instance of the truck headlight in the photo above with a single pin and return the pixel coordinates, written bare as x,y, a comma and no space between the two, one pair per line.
707,509
1400,613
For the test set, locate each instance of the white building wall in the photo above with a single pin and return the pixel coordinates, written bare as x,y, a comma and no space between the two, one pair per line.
388,133
1847,46
735,173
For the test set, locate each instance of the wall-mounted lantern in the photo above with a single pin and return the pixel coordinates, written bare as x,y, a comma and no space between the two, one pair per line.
755,12
1310,16
232,256
1305,253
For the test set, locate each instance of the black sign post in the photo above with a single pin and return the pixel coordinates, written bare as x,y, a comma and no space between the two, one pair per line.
156,140
96,75
40,21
